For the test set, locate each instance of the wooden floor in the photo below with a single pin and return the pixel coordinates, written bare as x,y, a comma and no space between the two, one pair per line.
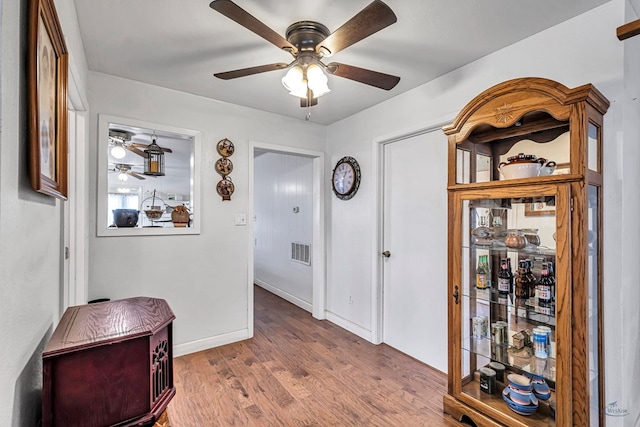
298,371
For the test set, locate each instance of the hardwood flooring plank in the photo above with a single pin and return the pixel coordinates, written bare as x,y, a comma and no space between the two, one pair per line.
298,371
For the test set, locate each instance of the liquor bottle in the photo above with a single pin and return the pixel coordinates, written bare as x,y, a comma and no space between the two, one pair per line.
522,281
504,278
487,266
481,273
552,280
531,278
544,287
511,277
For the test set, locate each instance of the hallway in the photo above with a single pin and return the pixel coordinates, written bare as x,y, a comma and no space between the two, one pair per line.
298,371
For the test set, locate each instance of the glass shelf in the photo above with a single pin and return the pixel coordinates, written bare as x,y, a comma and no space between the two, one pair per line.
517,360
527,309
498,246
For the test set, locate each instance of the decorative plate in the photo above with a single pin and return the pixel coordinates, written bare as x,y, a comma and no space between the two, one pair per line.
225,188
225,147
224,166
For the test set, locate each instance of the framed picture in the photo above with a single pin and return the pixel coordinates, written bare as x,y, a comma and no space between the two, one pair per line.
47,80
539,209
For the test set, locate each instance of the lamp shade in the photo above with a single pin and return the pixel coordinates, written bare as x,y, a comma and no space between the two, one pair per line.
317,81
118,152
293,81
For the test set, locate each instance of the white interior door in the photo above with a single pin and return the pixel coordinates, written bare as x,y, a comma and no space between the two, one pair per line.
415,236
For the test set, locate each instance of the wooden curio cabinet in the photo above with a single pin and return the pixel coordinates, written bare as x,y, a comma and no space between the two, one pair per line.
525,190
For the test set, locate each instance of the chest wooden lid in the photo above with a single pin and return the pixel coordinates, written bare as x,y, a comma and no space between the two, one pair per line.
90,325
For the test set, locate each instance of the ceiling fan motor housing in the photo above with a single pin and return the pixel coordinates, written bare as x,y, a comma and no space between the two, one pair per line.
305,35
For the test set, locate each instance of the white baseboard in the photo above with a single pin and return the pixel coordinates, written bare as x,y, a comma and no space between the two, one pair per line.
284,295
349,326
211,342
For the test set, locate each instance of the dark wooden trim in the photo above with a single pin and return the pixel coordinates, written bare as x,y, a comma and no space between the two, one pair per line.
628,30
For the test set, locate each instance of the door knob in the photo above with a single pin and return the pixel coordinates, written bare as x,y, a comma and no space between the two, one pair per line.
386,254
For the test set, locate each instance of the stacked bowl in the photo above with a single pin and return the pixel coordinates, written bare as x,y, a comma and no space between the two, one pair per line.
540,387
519,395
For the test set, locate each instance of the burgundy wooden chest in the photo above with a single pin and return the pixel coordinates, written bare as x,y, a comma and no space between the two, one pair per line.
109,363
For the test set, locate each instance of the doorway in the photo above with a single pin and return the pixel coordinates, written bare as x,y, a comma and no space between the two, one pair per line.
73,263
414,242
313,241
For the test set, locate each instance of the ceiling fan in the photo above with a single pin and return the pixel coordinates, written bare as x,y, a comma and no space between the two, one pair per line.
124,170
308,42
120,140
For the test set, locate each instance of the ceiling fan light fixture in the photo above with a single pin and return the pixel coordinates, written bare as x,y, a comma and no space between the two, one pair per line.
317,81
294,79
118,152
123,176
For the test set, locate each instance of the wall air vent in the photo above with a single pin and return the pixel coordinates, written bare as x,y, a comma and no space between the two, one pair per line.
301,253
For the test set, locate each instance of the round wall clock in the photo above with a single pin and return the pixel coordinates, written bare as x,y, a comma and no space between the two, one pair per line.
346,178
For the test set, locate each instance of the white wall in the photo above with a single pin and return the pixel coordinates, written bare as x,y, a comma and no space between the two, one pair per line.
204,278
581,50
30,228
622,296
282,182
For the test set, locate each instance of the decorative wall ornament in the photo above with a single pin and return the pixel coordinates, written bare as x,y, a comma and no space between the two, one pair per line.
224,166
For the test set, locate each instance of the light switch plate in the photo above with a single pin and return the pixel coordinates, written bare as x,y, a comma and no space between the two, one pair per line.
241,218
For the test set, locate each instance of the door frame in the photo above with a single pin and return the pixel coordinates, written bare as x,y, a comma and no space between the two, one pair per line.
74,211
318,255
377,154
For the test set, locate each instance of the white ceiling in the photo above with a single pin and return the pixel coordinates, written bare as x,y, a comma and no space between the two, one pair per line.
179,44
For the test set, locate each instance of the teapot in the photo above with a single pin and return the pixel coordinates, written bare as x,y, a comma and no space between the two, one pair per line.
526,166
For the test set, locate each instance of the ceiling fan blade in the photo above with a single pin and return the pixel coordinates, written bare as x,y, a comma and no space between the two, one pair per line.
136,175
228,75
369,20
145,146
135,150
242,17
362,75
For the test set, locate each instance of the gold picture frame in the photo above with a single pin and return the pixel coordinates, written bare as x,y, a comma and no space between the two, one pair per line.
539,209
47,80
